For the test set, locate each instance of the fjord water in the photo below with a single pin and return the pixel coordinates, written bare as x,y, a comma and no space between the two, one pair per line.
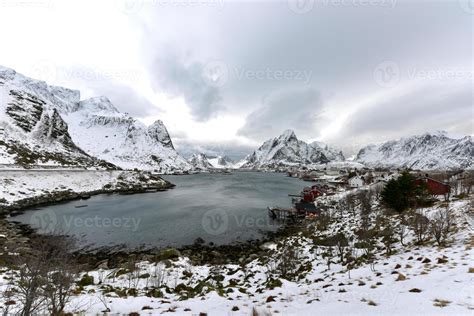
218,208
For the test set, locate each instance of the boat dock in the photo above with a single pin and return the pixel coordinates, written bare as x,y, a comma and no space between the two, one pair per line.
280,213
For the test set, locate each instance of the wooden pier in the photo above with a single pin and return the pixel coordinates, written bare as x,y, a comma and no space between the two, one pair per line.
279,213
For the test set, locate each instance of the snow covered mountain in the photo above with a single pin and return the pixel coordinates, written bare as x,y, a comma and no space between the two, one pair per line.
221,162
427,151
200,162
101,130
331,153
32,132
283,151
92,127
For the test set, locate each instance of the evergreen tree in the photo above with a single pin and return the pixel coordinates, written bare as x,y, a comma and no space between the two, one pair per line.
400,193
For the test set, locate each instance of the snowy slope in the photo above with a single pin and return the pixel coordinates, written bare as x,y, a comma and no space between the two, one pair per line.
100,129
32,132
285,150
94,125
427,151
331,153
200,162
221,162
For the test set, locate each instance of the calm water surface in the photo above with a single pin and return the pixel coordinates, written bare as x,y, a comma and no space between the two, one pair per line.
215,207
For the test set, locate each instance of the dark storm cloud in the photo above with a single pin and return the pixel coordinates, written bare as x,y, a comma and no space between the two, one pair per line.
295,109
414,111
417,111
339,44
179,78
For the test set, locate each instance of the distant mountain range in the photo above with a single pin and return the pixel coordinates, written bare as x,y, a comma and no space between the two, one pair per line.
427,151
287,150
42,124
204,162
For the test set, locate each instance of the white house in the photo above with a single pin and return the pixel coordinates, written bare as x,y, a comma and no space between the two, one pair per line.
356,182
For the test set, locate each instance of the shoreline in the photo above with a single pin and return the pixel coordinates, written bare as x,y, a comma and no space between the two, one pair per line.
26,188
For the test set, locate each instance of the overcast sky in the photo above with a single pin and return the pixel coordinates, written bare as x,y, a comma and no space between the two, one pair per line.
226,75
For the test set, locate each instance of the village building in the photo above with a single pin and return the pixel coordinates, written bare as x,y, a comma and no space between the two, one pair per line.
434,187
356,182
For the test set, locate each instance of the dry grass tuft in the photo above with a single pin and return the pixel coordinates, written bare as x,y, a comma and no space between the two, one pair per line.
441,302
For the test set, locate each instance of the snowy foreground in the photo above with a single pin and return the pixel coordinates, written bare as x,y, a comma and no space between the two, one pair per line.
414,280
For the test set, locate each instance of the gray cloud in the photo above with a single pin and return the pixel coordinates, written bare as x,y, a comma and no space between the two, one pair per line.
105,82
295,109
126,99
429,108
180,78
339,45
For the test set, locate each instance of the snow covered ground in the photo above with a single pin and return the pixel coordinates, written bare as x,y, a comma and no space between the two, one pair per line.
415,280
16,185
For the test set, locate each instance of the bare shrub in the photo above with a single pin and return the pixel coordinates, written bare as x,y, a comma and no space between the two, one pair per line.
341,242
287,261
133,272
46,275
158,275
441,225
365,202
402,232
421,227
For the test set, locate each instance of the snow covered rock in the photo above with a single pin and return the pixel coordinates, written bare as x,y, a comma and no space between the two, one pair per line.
220,162
285,150
429,151
32,132
200,162
60,123
331,153
101,130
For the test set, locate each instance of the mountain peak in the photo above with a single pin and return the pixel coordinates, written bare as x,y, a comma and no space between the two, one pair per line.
158,131
288,135
426,151
200,161
97,104
283,151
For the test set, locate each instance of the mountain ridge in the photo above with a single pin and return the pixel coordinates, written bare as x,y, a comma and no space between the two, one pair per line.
425,151
87,128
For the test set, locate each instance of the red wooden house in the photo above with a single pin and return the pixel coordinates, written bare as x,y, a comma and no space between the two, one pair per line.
435,187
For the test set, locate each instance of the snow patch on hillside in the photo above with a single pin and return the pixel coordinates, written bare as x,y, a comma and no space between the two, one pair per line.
426,151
